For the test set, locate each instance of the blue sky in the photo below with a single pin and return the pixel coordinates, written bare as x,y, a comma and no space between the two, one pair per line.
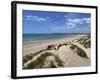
44,22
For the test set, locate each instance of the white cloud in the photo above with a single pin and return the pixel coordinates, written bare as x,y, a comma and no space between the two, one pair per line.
36,18
79,20
87,20
72,23
70,15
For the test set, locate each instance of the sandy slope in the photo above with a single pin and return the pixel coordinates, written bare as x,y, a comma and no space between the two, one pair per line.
68,57
31,48
88,51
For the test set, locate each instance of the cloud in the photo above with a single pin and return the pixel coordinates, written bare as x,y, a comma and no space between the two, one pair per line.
72,23
36,18
70,15
79,20
87,20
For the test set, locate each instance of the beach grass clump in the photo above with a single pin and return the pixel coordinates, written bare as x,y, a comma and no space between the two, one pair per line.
72,47
37,53
63,44
39,62
27,58
85,41
59,46
66,43
87,44
59,62
52,62
79,51
51,47
30,56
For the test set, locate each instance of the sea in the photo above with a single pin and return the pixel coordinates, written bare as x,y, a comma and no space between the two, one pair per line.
37,38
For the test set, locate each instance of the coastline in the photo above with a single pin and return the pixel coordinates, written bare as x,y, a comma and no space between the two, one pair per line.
34,47
68,52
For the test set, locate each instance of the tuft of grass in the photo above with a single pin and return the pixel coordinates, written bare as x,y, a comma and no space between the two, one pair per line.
51,47
27,58
63,44
79,51
54,63
72,47
87,44
39,62
85,41
59,62
59,46
66,43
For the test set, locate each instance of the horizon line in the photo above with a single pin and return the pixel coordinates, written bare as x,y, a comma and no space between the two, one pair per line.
56,33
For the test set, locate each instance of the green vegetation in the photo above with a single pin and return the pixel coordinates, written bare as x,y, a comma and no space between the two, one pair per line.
59,62
85,41
72,47
51,47
64,44
30,56
27,58
39,62
79,51
87,44
44,61
59,46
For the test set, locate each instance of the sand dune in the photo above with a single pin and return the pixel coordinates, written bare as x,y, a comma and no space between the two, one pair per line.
69,52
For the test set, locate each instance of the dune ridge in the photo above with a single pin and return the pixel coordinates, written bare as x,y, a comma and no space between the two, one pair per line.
74,52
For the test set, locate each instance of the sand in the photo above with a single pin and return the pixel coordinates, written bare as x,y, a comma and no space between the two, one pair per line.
68,57
31,48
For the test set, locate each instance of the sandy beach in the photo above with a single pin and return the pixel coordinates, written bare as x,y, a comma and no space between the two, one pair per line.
69,57
33,47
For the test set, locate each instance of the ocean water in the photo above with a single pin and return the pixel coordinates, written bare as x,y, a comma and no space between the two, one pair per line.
28,38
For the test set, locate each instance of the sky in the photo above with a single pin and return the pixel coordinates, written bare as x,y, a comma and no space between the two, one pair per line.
47,22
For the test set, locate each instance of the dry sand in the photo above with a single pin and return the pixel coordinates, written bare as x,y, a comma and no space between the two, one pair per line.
31,48
67,56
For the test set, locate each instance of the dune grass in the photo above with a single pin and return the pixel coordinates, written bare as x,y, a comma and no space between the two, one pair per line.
51,47
85,41
72,47
39,62
28,57
79,51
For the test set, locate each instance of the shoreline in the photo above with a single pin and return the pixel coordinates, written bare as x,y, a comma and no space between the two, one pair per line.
49,40
68,52
34,47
